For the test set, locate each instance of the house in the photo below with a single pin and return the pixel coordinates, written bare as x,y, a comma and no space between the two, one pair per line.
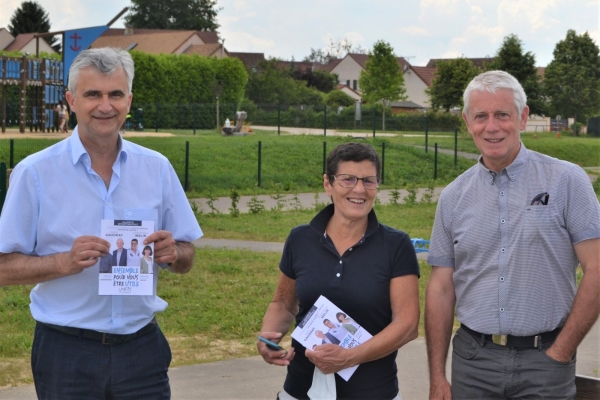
24,42
250,60
416,79
161,41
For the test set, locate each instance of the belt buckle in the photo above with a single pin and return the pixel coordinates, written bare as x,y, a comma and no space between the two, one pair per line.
499,339
103,341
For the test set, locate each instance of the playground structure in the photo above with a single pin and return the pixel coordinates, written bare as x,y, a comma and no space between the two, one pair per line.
40,87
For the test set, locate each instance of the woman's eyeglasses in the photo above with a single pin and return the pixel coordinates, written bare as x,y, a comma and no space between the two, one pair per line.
349,181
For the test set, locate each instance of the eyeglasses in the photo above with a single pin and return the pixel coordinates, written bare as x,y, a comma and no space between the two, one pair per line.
349,181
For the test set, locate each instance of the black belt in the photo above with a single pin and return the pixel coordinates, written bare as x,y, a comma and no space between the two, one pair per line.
534,341
102,337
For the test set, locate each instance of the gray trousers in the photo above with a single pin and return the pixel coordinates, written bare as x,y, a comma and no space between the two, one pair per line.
490,371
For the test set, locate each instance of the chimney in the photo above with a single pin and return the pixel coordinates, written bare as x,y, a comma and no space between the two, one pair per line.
128,30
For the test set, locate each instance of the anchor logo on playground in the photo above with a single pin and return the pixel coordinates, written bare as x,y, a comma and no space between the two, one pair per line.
74,46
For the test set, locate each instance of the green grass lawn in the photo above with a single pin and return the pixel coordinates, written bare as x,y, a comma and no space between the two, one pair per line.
294,164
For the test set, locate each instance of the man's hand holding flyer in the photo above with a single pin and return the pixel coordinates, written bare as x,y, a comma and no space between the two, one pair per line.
326,323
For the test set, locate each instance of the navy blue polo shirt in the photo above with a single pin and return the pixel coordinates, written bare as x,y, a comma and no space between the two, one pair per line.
358,282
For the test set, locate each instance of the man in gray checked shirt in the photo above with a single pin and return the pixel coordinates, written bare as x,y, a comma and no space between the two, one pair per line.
508,236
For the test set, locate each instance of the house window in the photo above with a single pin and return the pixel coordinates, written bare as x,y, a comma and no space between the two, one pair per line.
354,84
348,82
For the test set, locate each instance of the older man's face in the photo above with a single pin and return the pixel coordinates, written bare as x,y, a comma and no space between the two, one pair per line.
120,244
496,125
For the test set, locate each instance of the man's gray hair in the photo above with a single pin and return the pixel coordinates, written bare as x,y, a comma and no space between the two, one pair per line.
493,81
105,60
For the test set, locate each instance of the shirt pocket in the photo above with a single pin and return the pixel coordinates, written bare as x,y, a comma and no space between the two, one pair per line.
538,223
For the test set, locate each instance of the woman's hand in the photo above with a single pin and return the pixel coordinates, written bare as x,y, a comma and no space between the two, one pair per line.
275,357
329,358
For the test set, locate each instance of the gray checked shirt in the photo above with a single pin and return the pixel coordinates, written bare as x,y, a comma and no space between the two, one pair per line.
514,262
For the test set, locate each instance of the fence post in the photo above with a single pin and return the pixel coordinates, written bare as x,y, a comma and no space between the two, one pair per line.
382,162
426,134
373,121
2,184
195,112
259,161
156,114
324,158
435,158
11,160
187,165
324,119
455,146
278,119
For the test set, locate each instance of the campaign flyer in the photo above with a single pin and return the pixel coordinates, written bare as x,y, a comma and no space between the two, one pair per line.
128,268
326,323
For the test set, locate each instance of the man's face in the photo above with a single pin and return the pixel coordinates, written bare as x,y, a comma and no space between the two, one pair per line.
133,245
495,125
329,324
319,334
101,103
120,244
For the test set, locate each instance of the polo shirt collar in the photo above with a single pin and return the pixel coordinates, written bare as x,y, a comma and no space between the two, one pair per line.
78,151
319,222
512,171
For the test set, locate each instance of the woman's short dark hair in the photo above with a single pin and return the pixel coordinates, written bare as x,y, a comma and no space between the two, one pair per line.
147,247
356,152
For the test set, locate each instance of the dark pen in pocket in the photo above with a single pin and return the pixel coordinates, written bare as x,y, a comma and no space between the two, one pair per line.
541,198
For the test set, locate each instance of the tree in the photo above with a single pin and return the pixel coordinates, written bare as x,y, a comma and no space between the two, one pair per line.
337,98
31,17
572,79
382,79
510,58
321,80
198,15
335,50
271,84
451,80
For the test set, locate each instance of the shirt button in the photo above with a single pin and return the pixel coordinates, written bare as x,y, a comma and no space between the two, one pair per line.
350,249
502,279
340,261
491,180
338,274
501,193
502,250
501,309
503,220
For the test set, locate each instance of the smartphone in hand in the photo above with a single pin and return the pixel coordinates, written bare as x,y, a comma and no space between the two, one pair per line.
271,345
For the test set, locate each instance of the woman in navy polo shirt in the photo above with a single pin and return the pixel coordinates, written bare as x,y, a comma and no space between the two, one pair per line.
367,269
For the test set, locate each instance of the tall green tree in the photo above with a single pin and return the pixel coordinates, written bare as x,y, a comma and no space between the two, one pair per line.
510,58
382,79
572,79
198,15
451,79
31,17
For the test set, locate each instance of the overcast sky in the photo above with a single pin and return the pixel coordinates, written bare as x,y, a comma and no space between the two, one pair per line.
418,30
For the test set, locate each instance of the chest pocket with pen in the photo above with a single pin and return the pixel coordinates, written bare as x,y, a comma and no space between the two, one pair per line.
539,219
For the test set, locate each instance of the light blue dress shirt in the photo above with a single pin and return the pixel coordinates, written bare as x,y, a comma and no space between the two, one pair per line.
55,196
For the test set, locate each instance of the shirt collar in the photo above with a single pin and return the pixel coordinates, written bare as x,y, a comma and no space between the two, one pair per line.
319,222
512,171
78,151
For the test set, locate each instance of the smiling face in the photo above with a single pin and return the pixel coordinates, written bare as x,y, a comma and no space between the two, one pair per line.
495,124
353,203
101,103
120,244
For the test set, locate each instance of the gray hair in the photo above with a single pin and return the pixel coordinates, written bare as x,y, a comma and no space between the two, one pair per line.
105,60
492,81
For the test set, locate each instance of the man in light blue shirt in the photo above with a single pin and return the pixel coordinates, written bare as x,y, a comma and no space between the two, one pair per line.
87,345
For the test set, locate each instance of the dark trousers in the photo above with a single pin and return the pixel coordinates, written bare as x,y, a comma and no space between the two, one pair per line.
68,367
490,371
